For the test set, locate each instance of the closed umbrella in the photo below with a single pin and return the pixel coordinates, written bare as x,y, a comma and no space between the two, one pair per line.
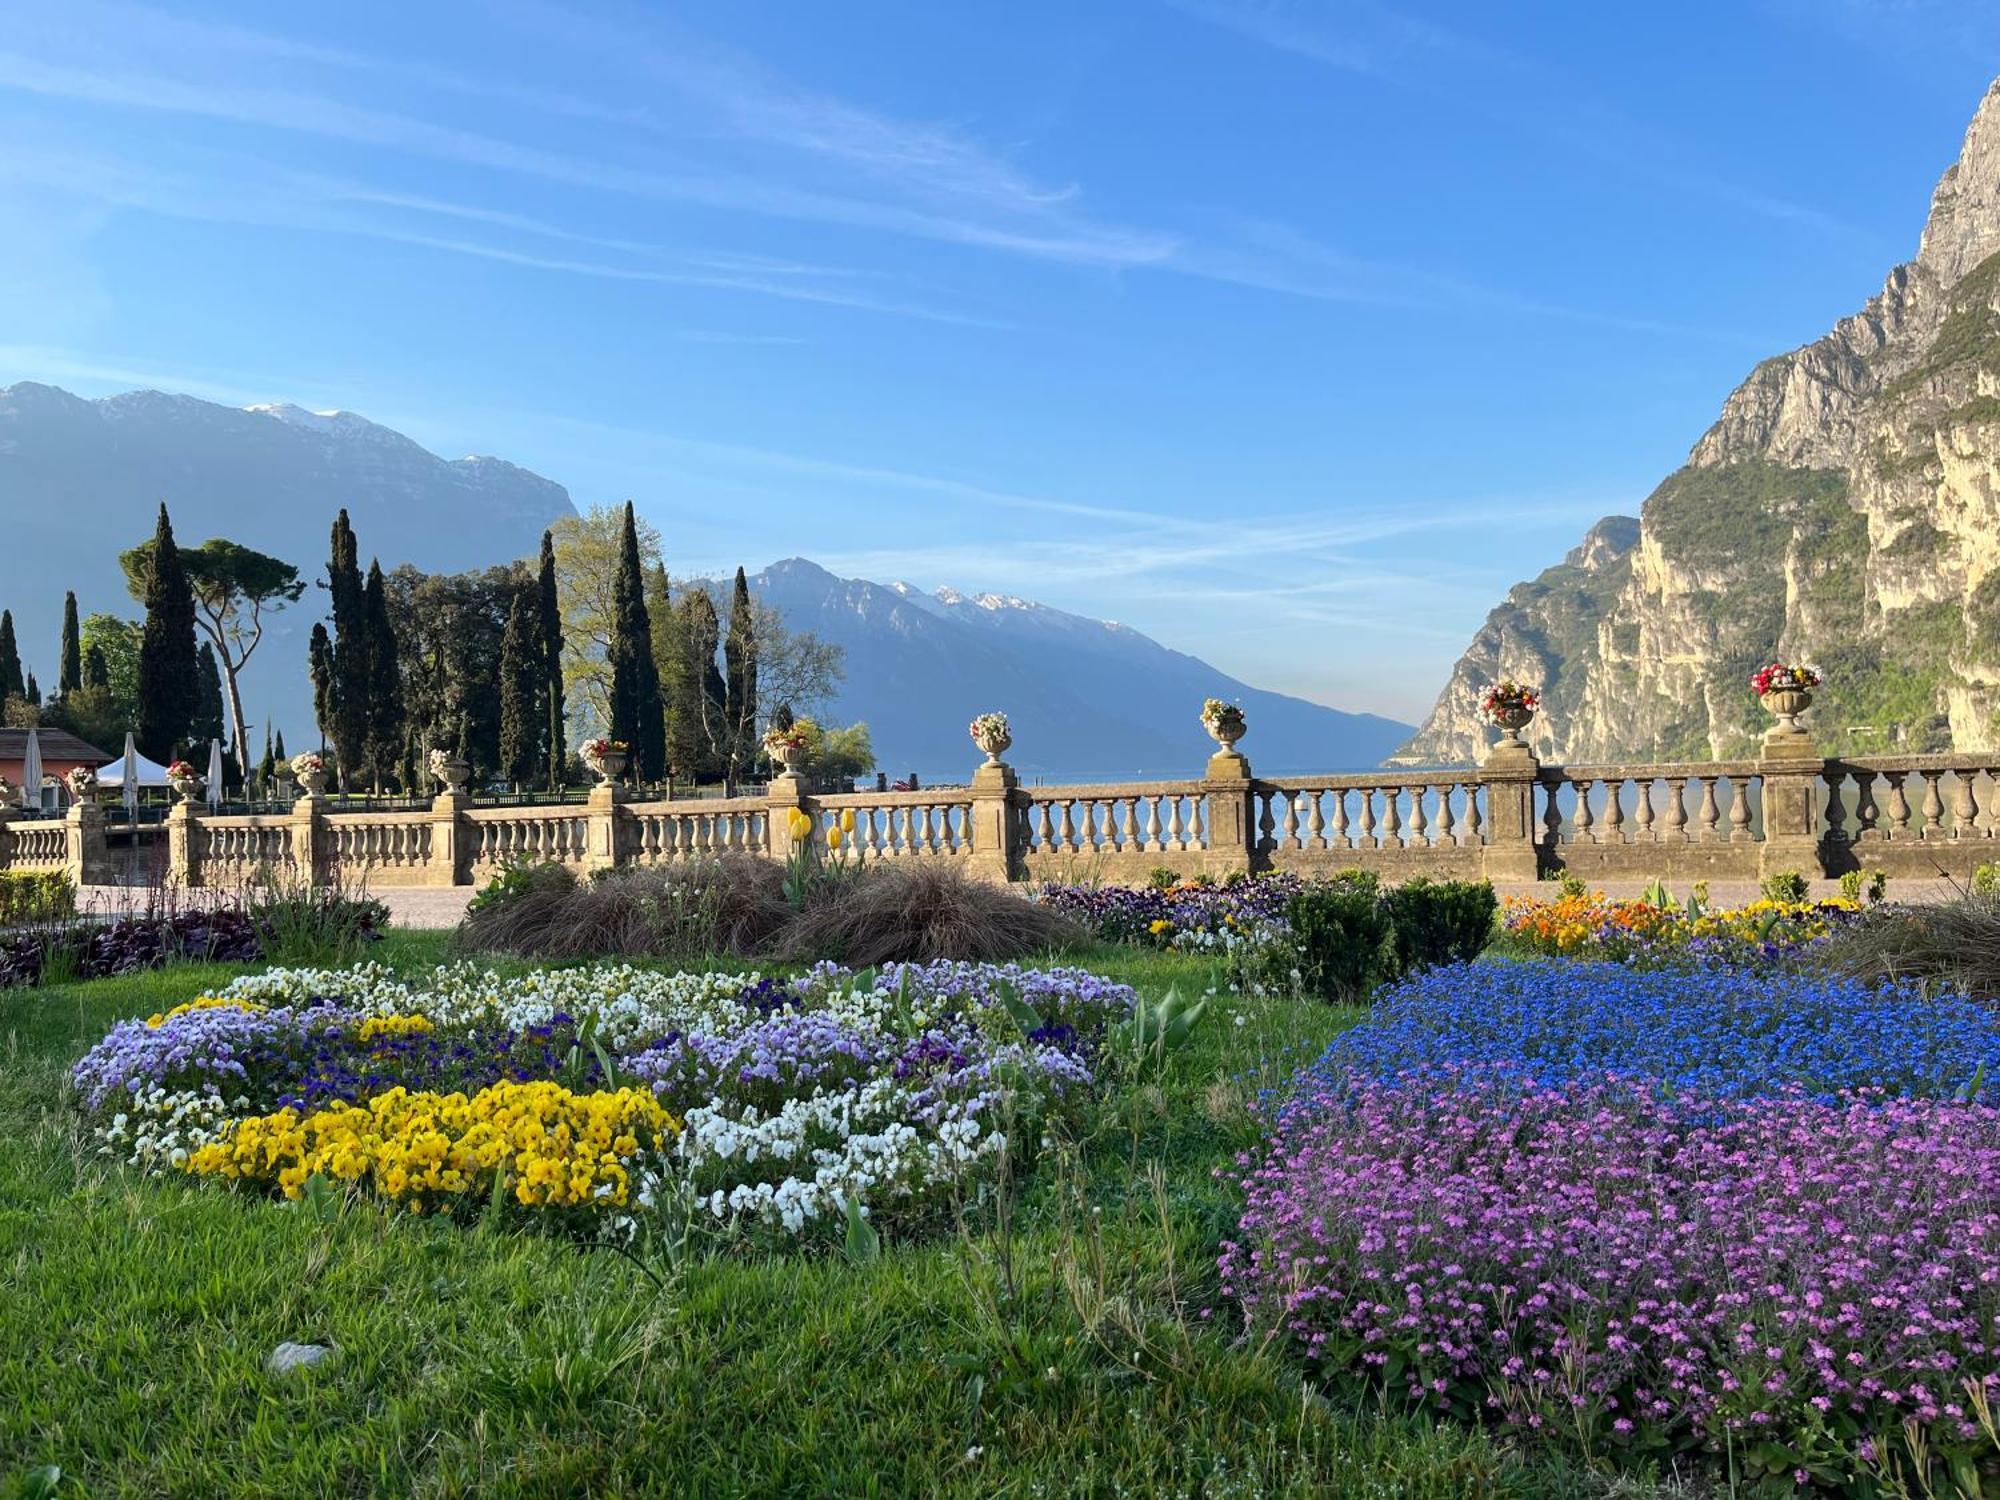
215,775
31,771
129,777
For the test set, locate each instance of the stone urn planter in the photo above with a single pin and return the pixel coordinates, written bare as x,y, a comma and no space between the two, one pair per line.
1511,721
453,770
1224,723
791,757
312,783
992,734
611,765
1788,704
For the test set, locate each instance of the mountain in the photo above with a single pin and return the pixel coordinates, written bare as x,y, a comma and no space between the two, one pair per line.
1843,510
80,480
1088,699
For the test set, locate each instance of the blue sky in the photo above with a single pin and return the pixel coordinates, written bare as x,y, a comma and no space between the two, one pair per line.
1289,333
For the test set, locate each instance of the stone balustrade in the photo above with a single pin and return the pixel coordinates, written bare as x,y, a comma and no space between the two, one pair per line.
1509,819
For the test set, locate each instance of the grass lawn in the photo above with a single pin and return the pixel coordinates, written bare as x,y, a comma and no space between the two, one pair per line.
1058,1347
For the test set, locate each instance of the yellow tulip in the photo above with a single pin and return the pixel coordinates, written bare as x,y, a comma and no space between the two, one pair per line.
833,837
847,820
801,824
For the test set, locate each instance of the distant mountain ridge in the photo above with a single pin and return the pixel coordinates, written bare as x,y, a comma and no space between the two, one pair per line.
80,479
1087,698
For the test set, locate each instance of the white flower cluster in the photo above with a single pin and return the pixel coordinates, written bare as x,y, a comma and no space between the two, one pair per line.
844,1146
158,1129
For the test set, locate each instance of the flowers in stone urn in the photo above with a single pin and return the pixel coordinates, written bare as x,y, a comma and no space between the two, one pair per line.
450,769
1786,689
82,782
604,758
310,768
991,733
184,779
1223,721
790,744
1510,705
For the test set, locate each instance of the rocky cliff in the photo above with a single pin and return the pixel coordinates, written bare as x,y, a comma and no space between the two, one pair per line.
1843,510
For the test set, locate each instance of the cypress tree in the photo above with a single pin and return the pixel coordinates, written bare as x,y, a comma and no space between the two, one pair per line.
701,694
319,656
11,683
69,676
281,746
96,670
635,680
350,675
207,722
34,693
169,681
267,767
521,685
739,654
548,610
382,699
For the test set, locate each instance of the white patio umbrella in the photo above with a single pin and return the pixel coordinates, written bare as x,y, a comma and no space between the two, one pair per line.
215,775
31,771
128,776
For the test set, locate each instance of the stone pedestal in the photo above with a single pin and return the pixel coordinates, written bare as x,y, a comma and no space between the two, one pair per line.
1511,825
89,861
1792,767
785,795
601,815
310,855
183,844
996,824
1232,815
452,839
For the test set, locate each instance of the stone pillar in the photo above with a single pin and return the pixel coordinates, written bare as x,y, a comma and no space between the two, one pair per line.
1511,825
7,815
89,861
452,840
183,843
785,794
310,852
996,824
1232,818
602,847
1792,767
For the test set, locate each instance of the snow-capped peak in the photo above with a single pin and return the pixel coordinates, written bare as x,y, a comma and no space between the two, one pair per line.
298,416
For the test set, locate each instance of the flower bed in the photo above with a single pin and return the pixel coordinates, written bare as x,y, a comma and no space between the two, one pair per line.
1720,1034
1186,917
1753,1217
1589,925
1782,1284
739,1100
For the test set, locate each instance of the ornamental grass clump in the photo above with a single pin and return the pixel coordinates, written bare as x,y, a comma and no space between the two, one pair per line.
1946,946
921,913
1801,1290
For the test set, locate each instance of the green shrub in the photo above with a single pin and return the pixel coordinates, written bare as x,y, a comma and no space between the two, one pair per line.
35,897
1441,921
1874,884
921,912
1986,880
1785,885
1939,946
1573,885
307,925
1342,936
1160,878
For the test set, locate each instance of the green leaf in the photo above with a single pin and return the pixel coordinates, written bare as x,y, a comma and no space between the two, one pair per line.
320,1198
863,1243
40,1484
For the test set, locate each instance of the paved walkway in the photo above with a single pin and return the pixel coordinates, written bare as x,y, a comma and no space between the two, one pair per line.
437,908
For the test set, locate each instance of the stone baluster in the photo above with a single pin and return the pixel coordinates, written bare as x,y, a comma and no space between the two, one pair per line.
1709,816
1446,818
1291,839
1836,809
1933,805
1340,839
1614,811
1739,811
1677,813
1418,838
1392,818
1364,836
1899,805
1964,807
1644,834
1552,814
1315,822
1475,818
1583,833
1867,816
